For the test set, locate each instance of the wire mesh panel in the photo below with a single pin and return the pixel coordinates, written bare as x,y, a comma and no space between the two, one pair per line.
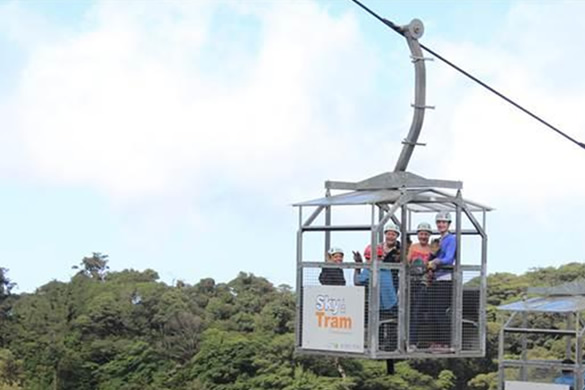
420,335
542,346
471,301
548,375
431,310
390,276
541,375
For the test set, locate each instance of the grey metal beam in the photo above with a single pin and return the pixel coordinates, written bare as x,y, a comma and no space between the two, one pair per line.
419,93
501,372
381,218
474,221
382,355
537,363
374,299
568,340
327,223
299,290
403,287
483,293
524,355
557,332
472,203
348,265
335,228
470,267
402,200
457,311
340,185
313,215
579,352
393,180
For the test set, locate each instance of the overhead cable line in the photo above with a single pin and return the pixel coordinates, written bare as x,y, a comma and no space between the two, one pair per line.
397,29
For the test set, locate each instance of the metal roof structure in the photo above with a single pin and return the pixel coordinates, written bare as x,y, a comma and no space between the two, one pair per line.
390,187
423,200
552,304
564,298
566,301
573,288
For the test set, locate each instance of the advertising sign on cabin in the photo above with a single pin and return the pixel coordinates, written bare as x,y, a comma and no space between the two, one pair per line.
333,318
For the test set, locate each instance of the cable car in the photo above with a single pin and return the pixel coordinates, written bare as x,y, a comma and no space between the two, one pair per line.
397,309
537,318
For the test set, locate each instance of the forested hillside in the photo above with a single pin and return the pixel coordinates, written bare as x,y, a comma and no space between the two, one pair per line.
127,330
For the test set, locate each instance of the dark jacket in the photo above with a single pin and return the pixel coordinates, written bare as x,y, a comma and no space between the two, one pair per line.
393,256
332,277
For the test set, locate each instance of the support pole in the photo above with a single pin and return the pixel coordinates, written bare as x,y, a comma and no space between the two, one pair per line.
327,223
374,299
412,33
579,382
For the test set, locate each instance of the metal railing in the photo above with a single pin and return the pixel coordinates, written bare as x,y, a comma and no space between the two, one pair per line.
407,312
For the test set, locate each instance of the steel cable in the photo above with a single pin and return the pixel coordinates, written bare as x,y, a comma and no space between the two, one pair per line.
398,30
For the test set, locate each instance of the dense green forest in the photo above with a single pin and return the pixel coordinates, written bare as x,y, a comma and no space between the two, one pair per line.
127,330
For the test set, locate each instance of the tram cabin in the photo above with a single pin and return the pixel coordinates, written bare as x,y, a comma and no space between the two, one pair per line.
390,309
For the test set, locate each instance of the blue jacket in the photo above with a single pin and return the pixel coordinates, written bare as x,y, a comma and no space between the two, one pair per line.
388,297
446,255
566,379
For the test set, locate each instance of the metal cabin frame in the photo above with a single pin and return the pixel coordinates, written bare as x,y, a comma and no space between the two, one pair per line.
396,196
566,300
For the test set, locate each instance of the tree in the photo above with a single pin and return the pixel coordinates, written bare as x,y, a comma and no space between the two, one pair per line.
484,382
11,371
6,285
95,267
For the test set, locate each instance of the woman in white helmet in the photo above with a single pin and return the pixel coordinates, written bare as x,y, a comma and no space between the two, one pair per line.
441,291
447,246
333,276
422,249
388,251
391,245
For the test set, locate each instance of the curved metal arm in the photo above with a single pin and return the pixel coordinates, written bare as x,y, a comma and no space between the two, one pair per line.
412,33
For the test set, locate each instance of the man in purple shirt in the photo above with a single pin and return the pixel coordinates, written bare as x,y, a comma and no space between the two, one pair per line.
442,285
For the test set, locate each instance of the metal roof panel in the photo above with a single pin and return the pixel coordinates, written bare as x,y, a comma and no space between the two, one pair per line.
556,304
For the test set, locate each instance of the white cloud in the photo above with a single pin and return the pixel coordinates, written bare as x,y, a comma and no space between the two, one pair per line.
502,155
145,100
178,110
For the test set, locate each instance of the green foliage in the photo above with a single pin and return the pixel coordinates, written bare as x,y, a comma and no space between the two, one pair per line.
11,371
6,285
95,267
127,330
484,382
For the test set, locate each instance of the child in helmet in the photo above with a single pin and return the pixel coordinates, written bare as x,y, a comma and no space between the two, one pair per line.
420,253
418,257
333,276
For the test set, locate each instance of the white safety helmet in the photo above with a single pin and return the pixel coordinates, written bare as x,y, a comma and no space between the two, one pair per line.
443,216
391,226
424,227
335,250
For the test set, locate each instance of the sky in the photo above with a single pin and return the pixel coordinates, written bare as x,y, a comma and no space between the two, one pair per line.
176,135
